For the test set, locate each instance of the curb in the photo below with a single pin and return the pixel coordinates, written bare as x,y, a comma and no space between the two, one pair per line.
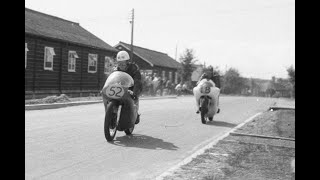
62,105
211,142
274,108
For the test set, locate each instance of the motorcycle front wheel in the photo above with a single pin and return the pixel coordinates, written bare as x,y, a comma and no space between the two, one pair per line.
203,119
111,121
203,109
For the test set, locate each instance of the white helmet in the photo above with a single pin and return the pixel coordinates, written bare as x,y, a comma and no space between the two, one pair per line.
123,56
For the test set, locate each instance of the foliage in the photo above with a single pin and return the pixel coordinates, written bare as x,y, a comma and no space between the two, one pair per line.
233,83
292,77
280,87
215,70
292,74
187,61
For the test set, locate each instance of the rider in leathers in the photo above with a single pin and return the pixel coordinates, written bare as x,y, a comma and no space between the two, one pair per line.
123,64
215,77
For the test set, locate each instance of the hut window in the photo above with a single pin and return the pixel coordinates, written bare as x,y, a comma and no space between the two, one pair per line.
48,58
176,78
26,52
72,61
92,63
108,65
170,76
163,75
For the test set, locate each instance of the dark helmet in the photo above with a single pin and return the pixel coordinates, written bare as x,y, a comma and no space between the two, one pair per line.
210,68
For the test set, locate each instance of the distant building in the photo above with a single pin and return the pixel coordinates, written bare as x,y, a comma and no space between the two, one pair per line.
63,57
153,62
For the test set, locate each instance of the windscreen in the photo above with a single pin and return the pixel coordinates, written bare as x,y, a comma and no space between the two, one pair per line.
119,77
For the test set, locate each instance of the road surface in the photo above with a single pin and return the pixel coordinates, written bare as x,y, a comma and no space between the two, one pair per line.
69,143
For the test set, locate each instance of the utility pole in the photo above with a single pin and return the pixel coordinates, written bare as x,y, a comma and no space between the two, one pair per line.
176,51
132,22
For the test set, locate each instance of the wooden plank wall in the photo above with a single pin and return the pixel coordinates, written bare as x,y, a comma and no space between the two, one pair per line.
40,81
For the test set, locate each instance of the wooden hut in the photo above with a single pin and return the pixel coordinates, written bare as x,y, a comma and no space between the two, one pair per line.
61,57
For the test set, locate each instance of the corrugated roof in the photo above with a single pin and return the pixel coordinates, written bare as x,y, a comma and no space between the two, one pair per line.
152,57
37,23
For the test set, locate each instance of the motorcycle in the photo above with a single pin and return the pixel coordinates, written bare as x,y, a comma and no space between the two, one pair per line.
206,94
120,109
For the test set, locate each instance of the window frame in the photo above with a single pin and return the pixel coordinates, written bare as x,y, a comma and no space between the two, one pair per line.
111,63
163,74
170,76
26,55
50,56
95,62
176,78
72,58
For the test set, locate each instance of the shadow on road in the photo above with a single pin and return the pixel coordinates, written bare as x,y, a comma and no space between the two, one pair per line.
221,123
143,141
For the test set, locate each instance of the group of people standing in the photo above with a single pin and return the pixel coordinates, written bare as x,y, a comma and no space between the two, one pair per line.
156,85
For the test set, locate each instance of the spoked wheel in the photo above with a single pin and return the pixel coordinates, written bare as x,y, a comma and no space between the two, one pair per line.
111,121
203,109
203,119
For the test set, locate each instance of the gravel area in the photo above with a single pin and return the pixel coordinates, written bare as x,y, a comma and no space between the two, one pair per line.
245,157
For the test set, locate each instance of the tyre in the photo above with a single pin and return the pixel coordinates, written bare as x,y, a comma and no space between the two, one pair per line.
129,131
111,120
204,109
203,119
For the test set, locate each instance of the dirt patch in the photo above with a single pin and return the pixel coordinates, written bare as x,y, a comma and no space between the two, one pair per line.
61,99
272,123
247,157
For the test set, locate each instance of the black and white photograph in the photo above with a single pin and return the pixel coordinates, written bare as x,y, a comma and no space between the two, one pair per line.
159,90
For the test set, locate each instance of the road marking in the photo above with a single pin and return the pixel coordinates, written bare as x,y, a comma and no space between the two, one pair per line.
213,140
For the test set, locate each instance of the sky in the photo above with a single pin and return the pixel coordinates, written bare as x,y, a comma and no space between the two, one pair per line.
256,37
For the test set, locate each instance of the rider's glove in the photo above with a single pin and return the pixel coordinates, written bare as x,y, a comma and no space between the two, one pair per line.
133,96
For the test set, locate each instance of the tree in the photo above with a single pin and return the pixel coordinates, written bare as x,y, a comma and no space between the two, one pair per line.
187,61
292,78
215,69
233,82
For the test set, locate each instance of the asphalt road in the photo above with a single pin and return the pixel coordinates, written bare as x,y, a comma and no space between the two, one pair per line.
69,143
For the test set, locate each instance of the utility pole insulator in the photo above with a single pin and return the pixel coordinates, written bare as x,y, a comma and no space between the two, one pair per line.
132,22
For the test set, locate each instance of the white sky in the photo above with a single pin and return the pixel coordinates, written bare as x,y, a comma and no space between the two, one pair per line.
257,37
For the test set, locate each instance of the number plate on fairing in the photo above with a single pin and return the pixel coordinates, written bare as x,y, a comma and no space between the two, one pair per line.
205,89
114,91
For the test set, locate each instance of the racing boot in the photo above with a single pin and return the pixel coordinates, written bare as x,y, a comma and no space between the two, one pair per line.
138,119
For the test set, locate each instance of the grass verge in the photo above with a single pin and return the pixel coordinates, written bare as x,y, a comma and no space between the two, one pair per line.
245,157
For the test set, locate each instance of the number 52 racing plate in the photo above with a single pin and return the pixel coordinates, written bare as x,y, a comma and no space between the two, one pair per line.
114,91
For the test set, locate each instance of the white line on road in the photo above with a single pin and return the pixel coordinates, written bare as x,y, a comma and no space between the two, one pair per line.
214,140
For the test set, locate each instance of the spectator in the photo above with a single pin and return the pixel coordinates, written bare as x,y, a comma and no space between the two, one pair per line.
168,87
178,88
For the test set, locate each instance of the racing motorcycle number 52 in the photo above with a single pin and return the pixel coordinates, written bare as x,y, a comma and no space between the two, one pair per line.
114,91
